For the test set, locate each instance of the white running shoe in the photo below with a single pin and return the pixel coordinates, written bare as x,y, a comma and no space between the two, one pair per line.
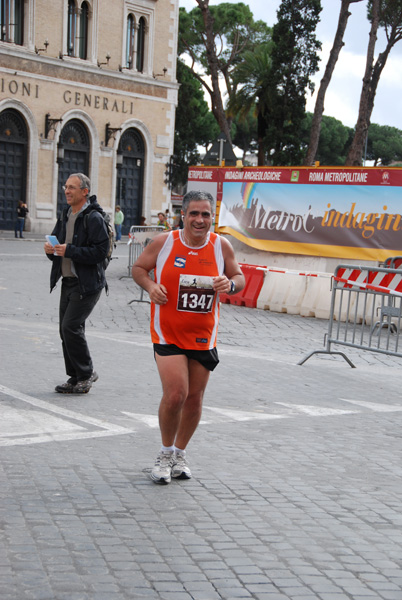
180,469
162,471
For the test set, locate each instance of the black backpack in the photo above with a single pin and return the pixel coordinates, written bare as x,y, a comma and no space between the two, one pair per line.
109,227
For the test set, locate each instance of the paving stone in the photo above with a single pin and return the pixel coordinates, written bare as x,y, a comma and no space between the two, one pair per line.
288,501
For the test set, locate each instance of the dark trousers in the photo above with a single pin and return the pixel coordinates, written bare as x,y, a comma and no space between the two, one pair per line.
73,313
19,226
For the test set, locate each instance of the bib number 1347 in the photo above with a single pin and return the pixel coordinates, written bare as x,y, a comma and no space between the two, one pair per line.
197,300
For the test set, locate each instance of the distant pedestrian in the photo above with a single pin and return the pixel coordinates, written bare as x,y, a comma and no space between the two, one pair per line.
78,260
163,222
22,211
118,222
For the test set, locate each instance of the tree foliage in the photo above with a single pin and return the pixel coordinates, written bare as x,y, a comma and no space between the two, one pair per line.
195,124
214,38
244,134
294,62
334,139
252,80
384,144
265,76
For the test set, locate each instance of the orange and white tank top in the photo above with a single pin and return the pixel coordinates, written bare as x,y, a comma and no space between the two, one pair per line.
190,317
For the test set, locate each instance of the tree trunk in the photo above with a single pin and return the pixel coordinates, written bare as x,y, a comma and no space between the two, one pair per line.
329,69
375,78
261,129
216,97
355,154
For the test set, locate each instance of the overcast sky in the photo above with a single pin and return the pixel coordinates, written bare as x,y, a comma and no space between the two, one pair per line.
343,94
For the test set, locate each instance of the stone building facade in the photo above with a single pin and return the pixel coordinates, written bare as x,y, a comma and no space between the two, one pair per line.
86,86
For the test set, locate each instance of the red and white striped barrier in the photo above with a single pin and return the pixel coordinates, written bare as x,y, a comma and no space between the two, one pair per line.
379,281
308,293
293,272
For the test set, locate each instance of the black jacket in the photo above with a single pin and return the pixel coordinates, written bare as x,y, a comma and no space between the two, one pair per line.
22,212
87,251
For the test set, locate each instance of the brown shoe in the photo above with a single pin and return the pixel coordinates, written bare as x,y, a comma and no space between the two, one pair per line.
65,388
83,387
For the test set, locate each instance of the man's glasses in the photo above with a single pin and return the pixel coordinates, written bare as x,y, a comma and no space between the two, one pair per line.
70,188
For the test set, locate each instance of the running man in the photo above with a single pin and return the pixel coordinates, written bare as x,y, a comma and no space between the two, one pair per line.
184,322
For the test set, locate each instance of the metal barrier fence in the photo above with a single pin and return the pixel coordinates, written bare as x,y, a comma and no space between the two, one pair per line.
366,311
394,262
139,237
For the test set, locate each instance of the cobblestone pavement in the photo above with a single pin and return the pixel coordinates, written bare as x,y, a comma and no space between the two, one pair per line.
297,470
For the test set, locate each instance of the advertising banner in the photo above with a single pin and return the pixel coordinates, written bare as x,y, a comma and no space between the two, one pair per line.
332,212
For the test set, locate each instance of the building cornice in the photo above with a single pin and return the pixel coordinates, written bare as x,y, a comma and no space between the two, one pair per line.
75,71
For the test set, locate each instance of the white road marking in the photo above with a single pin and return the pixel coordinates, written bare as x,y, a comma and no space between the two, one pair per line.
249,353
60,437
376,407
51,428
225,415
150,420
51,423
317,411
242,415
31,422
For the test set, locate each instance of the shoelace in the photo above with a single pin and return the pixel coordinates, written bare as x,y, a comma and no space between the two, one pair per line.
180,460
164,459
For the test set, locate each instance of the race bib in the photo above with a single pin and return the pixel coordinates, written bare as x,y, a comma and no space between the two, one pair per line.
195,294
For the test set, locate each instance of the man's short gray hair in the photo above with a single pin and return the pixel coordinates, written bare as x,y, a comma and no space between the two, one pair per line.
196,195
85,182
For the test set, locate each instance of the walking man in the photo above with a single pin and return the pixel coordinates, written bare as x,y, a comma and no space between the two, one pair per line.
77,259
184,322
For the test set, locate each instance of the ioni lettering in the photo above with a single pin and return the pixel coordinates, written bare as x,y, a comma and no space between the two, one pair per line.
18,88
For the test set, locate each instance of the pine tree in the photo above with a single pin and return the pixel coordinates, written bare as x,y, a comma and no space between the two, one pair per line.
294,61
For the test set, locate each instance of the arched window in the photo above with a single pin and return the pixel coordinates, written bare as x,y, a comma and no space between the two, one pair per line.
14,164
12,21
74,138
140,45
83,52
130,42
130,177
71,28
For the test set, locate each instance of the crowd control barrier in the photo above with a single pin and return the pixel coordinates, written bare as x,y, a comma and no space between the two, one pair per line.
138,238
366,311
254,276
305,293
394,262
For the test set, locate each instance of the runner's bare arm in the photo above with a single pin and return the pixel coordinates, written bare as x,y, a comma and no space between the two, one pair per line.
232,271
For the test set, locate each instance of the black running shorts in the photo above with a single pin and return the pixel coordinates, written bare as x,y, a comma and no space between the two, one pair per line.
208,358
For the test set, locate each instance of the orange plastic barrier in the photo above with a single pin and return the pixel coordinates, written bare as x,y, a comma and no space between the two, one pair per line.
249,295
